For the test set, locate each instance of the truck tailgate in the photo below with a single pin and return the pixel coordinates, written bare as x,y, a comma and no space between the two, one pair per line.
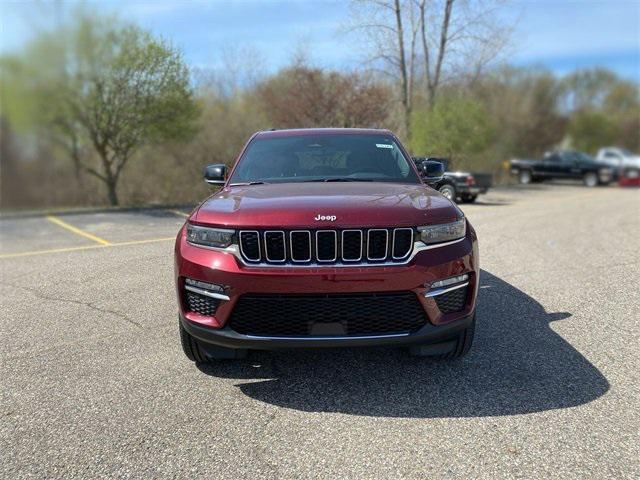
484,180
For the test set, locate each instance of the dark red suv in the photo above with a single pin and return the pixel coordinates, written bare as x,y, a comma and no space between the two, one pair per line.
325,238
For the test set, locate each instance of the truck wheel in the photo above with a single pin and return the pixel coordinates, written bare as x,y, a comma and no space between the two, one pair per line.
455,348
199,353
469,198
448,192
524,176
590,179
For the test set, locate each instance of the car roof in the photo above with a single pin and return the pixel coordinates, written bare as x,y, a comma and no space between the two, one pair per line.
296,132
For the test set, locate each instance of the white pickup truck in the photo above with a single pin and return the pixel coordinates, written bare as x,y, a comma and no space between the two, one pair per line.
618,157
626,165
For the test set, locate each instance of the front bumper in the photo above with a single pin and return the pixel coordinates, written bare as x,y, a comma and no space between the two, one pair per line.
471,189
226,337
426,267
629,178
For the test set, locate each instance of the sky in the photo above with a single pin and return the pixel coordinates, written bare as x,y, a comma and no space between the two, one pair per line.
558,35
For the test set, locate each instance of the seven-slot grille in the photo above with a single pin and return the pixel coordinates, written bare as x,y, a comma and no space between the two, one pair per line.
349,246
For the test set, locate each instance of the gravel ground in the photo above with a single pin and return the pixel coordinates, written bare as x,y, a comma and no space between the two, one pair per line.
94,382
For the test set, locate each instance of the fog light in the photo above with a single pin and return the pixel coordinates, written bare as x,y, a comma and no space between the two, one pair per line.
204,288
204,285
450,281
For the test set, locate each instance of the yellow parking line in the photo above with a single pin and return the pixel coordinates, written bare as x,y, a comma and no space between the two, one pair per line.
178,212
76,230
86,247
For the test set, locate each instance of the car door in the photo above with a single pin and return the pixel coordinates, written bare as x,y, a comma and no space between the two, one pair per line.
569,165
549,166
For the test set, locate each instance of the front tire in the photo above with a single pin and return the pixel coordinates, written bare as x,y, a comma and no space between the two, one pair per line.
200,353
191,347
590,179
448,191
525,177
457,347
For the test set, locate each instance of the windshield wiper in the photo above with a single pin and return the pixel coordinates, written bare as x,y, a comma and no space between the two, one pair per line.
340,179
241,184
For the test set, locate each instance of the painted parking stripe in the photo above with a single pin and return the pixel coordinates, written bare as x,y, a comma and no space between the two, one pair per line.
76,230
86,247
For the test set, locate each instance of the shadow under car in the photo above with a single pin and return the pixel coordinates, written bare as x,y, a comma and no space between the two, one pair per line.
517,365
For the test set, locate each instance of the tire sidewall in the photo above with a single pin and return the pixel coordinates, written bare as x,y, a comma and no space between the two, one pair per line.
590,179
448,191
525,177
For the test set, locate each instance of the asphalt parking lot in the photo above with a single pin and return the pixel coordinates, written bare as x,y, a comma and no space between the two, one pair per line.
94,382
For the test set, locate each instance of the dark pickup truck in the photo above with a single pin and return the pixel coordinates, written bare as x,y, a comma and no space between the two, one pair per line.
566,164
456,185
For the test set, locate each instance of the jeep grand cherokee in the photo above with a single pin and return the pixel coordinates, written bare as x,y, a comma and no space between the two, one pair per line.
325,238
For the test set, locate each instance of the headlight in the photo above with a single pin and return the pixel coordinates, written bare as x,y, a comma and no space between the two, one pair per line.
444,232
209,237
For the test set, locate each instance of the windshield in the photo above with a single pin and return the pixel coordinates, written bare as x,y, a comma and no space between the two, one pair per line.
324,158
584,157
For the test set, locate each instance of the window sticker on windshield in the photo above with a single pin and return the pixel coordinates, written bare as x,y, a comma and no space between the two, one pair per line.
383,145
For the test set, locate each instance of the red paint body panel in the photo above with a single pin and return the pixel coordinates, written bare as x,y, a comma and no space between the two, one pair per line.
629,182
294,205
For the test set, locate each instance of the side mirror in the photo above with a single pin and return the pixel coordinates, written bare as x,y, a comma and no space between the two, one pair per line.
432,171
418,162
214,174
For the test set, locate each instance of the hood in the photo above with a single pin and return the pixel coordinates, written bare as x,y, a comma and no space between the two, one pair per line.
353,204
631,161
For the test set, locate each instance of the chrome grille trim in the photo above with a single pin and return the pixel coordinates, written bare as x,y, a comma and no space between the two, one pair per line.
259,249
386,243
335,246
393,243
293,259
296,258
418,247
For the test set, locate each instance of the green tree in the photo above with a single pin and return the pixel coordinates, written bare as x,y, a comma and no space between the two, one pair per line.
623,105
587,89
101,89
604,109
456,127
524,104
591,130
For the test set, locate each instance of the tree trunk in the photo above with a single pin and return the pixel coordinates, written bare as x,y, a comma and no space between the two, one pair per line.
444,32
112,191
406,100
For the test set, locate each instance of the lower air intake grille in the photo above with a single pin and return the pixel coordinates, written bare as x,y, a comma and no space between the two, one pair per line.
201,304
327,314
452,301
